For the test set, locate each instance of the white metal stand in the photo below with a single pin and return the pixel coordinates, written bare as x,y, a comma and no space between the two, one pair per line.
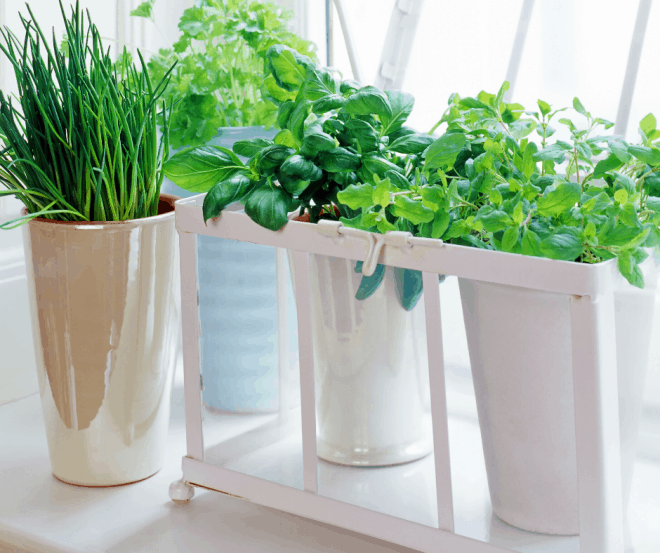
591,288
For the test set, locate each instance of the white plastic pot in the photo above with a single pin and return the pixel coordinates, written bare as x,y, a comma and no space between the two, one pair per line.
519,342
371,370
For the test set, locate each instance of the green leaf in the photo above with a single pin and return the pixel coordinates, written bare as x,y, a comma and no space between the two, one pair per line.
610,163
317,140
225,193
650,156
287,66
197,169
409,286
328,103
285,138
271,157
521,128
565,244
531,244
337,160
510,238
319,83
145,9
296,123
368,101
622,235
274,92
364,133
648,125
554,152
544,107
629,268
381,194
401,105
250,147
411,144
529,165
559,200
356,196
411,210
444,151
268,207
377,164
296,173
493,220
619,148
369,284
577,105
440,224
433,197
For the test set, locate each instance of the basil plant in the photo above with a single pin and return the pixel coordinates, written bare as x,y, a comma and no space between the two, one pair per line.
334,135
487,183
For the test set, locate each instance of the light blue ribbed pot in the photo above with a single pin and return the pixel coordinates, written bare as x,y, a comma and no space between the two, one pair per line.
238,312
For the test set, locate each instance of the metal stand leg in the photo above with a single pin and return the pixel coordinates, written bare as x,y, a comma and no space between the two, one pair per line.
597,424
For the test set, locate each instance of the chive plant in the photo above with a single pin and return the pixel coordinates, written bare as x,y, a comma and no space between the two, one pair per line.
84,144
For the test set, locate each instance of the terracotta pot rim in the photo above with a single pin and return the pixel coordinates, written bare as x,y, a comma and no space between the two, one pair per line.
167,199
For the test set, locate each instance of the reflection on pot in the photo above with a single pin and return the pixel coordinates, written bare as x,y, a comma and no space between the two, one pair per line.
105,315
371,370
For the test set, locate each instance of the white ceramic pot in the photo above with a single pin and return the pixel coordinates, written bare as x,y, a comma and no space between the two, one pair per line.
519,342
371,370
105,309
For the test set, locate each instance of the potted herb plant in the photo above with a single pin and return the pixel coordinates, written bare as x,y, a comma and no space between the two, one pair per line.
218,94
82,153
485,183
371,397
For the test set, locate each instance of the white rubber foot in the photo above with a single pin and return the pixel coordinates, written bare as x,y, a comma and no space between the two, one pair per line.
181,492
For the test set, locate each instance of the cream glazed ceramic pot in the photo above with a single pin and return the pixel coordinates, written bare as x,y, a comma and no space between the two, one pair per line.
371,369
105,305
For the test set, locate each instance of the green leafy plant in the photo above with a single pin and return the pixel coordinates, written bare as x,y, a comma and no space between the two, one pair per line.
221,54
485,183
334,134
84,146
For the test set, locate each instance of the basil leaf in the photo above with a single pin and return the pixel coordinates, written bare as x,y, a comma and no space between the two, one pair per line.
401,105
318,141
409,286
198,168
270,90
296,123
247,148
319,83
287,66
364,133
559,200
378,165
285,138
224,193
298,167
268,207
411,210
337,160
411,144
328,103
271,157
444,151
368,101
284,113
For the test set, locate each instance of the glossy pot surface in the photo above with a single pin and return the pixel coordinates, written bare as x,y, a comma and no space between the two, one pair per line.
104,300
